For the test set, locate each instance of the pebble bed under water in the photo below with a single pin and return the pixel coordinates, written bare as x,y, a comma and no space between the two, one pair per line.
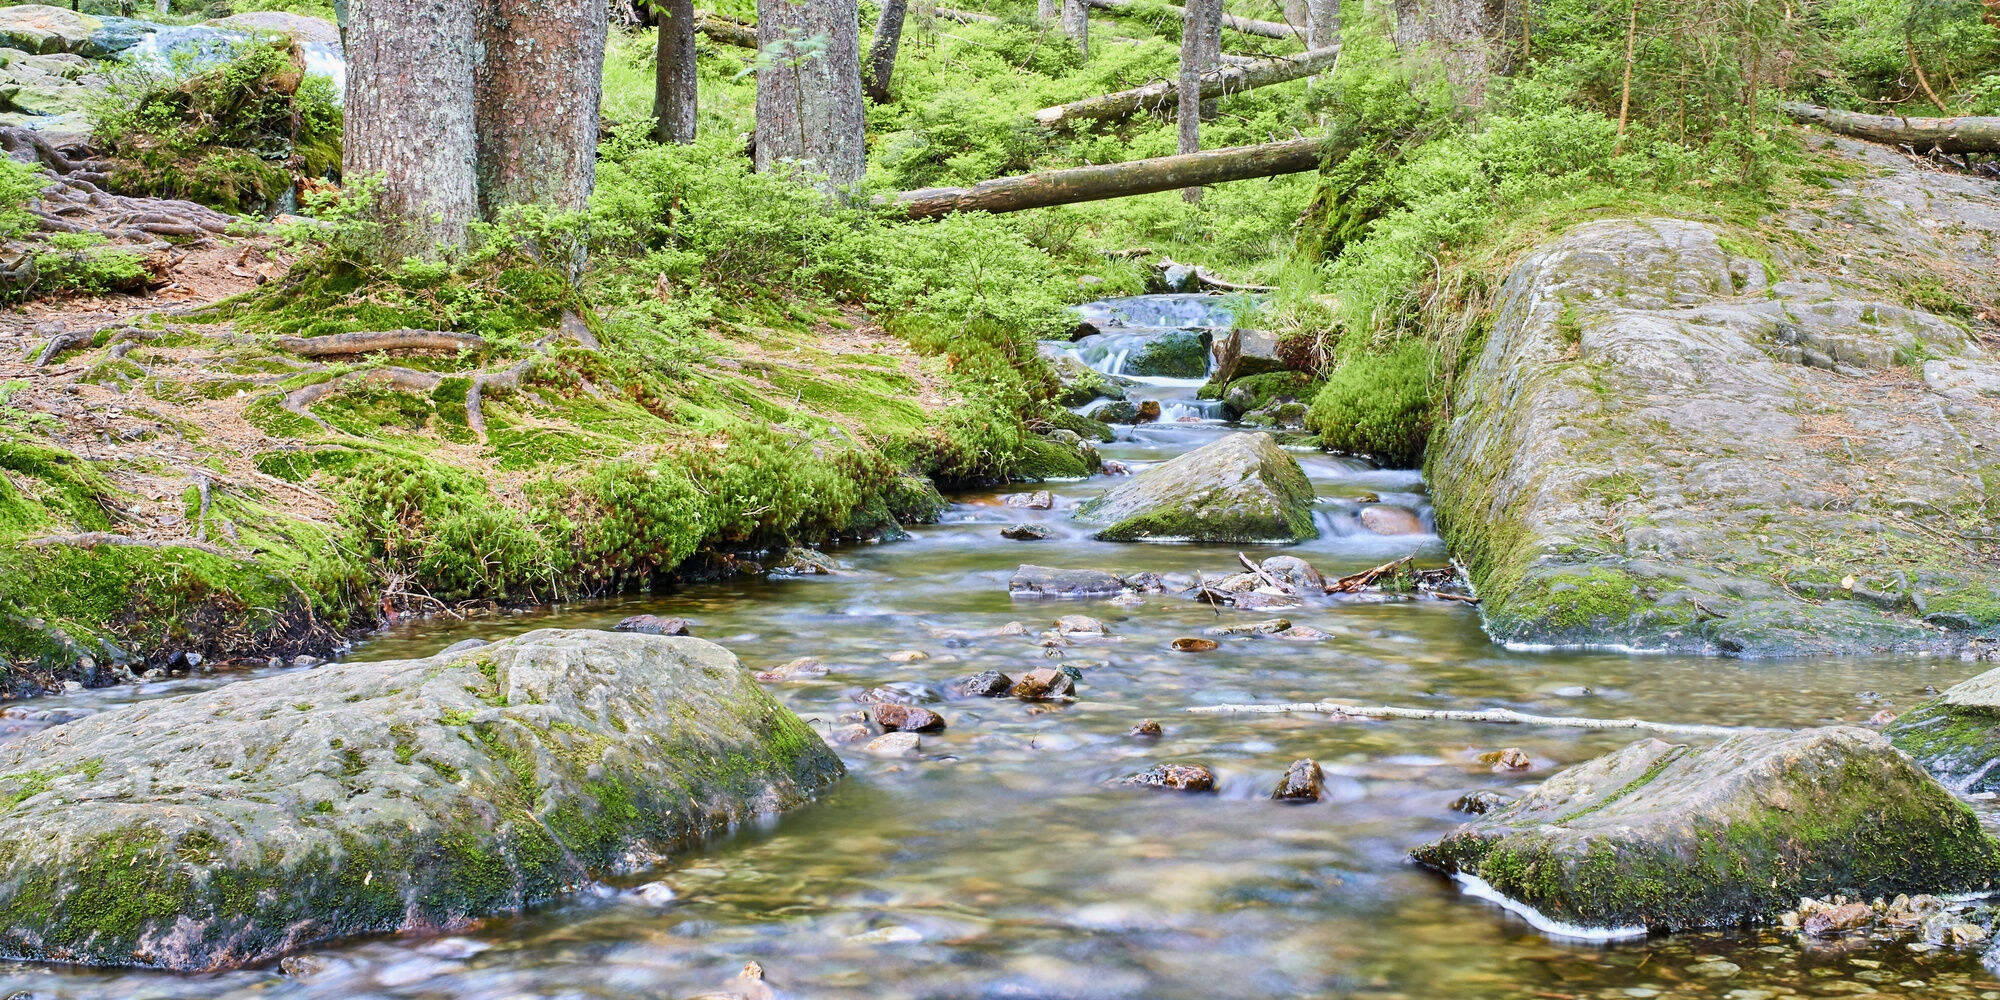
1002,860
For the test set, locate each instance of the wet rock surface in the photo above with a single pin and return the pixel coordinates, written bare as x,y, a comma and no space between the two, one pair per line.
1050,581
1027,531
222,828
1956,736
1669,836
907,718
1657,451
1173,777
653,625
1241,489
1303,782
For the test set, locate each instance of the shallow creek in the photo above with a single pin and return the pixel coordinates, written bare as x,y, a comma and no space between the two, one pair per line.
1004,862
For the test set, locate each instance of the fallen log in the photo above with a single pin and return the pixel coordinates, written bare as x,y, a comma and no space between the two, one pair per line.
1501,716
368,341
724,30
1925,135
966,16
1163,93
1245,25
1111,180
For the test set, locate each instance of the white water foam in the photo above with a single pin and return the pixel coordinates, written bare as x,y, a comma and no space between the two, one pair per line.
1479,888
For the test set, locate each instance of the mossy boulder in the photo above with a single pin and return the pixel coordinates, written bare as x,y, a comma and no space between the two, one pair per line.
223,828
1241,489
1956,736
1170,354
1378,405
1670,836
39,28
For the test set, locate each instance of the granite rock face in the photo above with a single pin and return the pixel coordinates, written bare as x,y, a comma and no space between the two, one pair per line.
227,827
1668,836
1672,442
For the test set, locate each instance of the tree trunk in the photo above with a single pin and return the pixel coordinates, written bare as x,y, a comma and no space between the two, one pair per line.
674,88
1246,25
1322,23
809,102
410,119
882,51
1462,34
1943,135
538,88
1045,10
1201,46
1114,180
1076,24
1154,96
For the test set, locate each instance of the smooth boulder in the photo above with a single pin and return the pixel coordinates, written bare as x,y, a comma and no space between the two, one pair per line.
1241,489
1669,836
223,828
1956,736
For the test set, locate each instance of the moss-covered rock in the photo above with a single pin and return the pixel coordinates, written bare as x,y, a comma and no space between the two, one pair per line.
1170,354
1668,836
1241,489
1378,405
227,827
1956,736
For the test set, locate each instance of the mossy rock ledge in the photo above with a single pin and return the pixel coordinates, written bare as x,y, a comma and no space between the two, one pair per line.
222,828
1671,837
1241,489
1956,736
1671,441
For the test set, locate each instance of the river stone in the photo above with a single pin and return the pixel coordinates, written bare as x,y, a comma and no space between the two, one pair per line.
1049,581
1388,519
1170,354
1673,837
212,830
39,28
1956,736
1239,490
1645,454
1303,782
1242,353
299,26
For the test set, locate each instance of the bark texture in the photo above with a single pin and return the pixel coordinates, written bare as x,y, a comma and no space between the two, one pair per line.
1163,93
1246,25
1114,180
1201,47
674,89
1943,135
537,87
882,51
410,118
1463,35
1045,10
1322,23
1076,24
809,103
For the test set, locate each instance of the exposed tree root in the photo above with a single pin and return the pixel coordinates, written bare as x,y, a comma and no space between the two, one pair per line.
368,341
93,539
407,379
1501,716
507,380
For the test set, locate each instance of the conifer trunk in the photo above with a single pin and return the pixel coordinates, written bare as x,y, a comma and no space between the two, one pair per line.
1076,24
882,51
674,89
1045,10
809,99
538,83
410,119
1201,49
1322,23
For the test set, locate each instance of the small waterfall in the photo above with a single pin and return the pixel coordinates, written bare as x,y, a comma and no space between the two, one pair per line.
1158,345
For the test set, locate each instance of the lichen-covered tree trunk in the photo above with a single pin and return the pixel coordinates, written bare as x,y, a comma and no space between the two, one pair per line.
1462,35
538,84
1322,23
1201,48
1945,135
1045,10
882,51
1114,180
809,98
410,119
1076,24
674,89
1163,93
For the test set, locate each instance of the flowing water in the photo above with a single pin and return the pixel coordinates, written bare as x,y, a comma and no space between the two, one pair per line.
1004,862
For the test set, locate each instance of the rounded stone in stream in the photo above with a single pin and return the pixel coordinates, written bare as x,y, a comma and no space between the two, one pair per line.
1303,782
222,828
1175,777
1670,836
1046,684
1386,519
653,625
1479,803
1240,489
1116,412
907,718
985,684
1026,531
1145,730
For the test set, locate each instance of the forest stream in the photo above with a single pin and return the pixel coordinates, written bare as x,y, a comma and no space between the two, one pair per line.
1002,859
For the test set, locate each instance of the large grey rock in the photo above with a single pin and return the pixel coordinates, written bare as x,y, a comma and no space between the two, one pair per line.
1670,836
216,829
1654,449
42,28
1242,353
299,26
1243,488
1956,736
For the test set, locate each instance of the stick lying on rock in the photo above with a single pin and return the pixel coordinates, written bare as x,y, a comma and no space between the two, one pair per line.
1502,716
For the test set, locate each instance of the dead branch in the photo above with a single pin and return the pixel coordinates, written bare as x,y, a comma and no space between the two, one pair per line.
1357,582
1259,570
1502,716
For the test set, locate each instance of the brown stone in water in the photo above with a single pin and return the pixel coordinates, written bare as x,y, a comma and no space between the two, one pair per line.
907,719
653,625
985,684
804,666
1175,777
1147,729
1835,919
1191,645
1386,519
1045,684
1510,759
1149,411
1303,782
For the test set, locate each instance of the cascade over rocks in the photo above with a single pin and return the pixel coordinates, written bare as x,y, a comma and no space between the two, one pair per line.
1669,837
1241,489
1666,444
224,828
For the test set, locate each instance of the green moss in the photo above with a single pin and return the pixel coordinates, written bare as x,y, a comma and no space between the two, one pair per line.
1042,459
1378,405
